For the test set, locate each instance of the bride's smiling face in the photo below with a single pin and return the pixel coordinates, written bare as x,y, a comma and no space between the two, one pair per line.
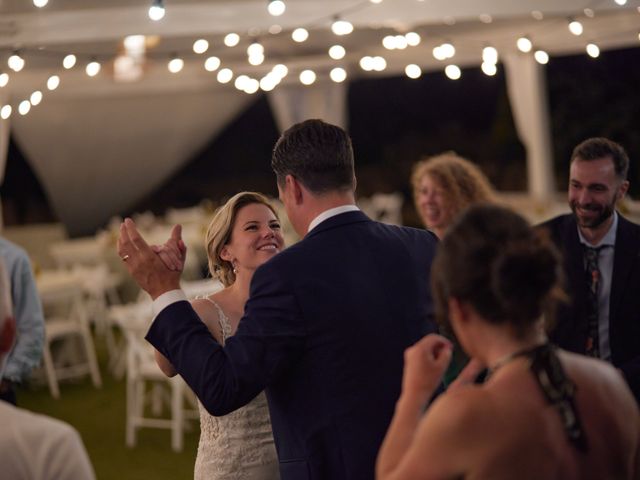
255,238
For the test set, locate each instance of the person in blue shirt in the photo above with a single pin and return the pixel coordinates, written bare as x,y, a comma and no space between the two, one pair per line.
27,351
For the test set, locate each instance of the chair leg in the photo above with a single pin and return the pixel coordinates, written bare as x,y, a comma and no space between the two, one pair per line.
91,358
50,371
177,415
131,413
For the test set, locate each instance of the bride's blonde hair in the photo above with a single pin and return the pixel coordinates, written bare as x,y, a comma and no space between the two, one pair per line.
219,233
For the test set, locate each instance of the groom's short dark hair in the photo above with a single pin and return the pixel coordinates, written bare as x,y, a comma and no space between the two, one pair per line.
317,154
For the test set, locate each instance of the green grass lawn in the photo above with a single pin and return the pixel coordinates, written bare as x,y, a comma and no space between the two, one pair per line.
99,416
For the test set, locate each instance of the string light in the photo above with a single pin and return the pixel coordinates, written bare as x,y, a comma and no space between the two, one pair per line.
485,18
413,71
575,27
379,64
231,39
53,82
24,107
366,63
341,27
252,86
413,39
200,46
156,10
489,69
299,35
307,77
40,3
175,65
69,61
280,70
541,57
255,49
376,1
225,75
15,62
241,82
211,64
5,112
269,82
36,98
256,60
490,55
4,79
338,74
524,44
593,50
337,52
276,7
621,2
93,68
453,72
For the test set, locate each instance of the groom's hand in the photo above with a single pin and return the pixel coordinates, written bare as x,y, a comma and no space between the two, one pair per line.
174,251
144,265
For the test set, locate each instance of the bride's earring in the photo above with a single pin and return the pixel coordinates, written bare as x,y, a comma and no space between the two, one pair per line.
234,268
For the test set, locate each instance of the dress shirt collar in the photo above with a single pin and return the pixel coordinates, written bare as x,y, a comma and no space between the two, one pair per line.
609,239
332,212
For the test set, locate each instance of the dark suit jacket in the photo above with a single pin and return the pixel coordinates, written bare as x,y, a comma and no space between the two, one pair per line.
324,332
570,331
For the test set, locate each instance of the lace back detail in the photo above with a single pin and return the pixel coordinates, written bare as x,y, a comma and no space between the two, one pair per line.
223,320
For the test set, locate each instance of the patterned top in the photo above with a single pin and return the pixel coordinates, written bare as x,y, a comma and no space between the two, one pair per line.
238,445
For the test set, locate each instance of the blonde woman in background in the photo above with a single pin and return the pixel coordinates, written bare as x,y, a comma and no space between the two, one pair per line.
445,185
243,234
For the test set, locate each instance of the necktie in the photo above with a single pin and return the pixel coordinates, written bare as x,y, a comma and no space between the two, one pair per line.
592,347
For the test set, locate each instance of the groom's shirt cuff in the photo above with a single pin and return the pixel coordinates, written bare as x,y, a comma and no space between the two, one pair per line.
166,299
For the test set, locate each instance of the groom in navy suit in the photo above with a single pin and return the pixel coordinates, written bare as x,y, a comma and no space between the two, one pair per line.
326,324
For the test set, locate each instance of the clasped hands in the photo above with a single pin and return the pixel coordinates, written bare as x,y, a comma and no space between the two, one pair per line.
156,268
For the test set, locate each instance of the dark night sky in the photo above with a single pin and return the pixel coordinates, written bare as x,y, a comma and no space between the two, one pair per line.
396,121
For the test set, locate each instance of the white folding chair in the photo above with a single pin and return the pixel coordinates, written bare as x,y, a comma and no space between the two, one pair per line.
143,372
66,319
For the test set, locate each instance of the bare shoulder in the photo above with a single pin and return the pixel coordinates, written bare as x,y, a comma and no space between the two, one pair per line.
209,315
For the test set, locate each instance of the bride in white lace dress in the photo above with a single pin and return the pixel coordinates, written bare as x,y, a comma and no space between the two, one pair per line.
243,234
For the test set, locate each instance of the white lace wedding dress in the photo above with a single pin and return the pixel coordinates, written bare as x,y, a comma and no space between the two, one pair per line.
238,445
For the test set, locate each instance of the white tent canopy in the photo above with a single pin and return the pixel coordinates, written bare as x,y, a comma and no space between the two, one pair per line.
100,144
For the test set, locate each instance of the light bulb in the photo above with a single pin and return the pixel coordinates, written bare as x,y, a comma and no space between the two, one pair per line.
280,70
255,49
276,7
24,107
156,11
453,72
69,61
621,2
15,62
256,59
413,71
366,63
341,27
200,46
447,50
36,97
338,74
93,68
299,35
4,79
575,27
593,50
5,112
175,65
53,82
252,86
524,44
268,82
490,55
413,39
337,52
489,68
379,64
438,53
231,39
40,3
225,75
211,64
541,57
389,42
307,77
401,42
241,82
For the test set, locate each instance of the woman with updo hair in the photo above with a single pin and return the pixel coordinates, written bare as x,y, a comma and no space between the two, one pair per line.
542,413
243,234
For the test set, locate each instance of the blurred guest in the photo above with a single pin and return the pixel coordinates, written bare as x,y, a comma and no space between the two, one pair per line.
443,186
27,352
543,412
32,446
244,233
601,252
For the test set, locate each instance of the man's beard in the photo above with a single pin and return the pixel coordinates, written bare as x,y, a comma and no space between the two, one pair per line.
604,213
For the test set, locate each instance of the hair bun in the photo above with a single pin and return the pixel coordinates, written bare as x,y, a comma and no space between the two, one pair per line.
531,266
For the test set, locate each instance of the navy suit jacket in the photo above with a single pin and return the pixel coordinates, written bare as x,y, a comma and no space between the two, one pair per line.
324,332
571,329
